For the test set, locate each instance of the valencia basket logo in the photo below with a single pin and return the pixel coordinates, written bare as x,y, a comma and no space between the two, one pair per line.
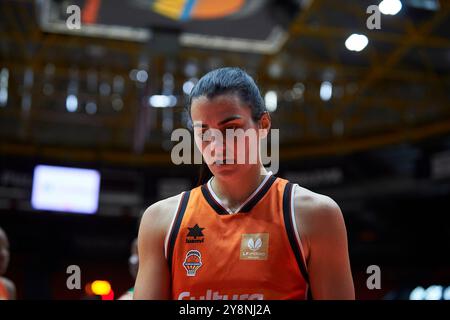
192,262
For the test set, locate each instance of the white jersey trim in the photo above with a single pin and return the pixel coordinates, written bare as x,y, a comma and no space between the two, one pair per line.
166,240
211,191
297,234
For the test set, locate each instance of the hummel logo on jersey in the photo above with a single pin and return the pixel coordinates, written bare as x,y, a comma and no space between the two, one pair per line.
195,235
254,246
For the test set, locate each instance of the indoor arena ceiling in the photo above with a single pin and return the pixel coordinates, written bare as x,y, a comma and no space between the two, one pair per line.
395,90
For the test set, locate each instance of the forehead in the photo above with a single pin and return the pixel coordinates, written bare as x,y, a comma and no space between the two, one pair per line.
218,107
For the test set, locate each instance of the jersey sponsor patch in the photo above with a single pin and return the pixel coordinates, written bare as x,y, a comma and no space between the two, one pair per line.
216,295
192,262
254,246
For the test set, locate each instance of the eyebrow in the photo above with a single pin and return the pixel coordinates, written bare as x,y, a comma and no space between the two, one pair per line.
229,119
234,117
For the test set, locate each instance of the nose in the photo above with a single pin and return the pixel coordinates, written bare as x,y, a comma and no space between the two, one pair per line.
218,147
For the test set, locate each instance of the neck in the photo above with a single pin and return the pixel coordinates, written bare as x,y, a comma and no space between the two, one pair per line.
233,192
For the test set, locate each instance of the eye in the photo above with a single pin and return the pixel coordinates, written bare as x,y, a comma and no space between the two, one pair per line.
198,131
203,134
200,134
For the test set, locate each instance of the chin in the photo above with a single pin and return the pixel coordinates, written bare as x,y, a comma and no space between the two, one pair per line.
228,171
224,173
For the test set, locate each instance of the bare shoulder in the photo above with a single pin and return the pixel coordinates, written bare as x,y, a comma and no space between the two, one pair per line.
160,214
314,205
10,287
318,218
154,227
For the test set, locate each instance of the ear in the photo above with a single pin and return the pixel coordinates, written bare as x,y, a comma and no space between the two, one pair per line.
265,123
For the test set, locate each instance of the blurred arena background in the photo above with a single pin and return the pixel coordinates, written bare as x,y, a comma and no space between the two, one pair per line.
370,128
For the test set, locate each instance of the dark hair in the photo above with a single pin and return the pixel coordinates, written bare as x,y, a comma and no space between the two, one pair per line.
227,81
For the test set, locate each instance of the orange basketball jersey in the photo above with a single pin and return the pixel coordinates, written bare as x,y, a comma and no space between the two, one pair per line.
4,294
254,253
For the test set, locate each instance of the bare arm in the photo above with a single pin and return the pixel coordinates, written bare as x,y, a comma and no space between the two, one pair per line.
325,237
153,278
11,288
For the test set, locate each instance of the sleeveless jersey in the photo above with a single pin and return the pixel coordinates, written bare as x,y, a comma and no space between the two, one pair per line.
4,294
254,253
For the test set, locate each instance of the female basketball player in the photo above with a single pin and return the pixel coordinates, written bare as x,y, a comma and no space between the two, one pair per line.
244,234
